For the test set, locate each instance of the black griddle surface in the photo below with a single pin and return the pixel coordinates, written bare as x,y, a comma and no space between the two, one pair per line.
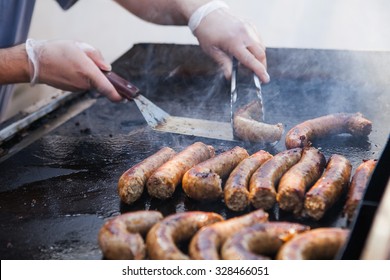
56,193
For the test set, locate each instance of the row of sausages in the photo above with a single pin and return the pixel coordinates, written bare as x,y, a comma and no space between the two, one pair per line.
208,236
248,127
259,180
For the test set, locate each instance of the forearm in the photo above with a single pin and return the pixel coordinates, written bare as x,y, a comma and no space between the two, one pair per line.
14,66
165,12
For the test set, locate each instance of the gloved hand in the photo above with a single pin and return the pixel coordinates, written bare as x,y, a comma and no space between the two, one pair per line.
222,35
69,65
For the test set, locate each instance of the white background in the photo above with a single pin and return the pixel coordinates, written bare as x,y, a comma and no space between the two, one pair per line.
323,24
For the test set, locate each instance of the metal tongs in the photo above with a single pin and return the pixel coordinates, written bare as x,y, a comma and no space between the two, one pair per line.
245,89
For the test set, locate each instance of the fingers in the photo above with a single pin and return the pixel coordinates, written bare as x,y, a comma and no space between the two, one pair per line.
103,86
253,59
251,52
236,37
98,80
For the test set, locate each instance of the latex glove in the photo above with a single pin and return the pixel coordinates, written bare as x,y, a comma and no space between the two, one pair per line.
69,65
222,35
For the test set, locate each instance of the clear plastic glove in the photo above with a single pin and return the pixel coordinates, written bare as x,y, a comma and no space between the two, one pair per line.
69,65
222,35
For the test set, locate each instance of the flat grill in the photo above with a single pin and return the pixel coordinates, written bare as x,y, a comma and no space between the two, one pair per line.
57,192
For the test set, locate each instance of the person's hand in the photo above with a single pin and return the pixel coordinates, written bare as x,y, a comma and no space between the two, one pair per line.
69,65
222,35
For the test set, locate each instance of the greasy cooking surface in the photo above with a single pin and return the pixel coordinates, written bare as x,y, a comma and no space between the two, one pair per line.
56,194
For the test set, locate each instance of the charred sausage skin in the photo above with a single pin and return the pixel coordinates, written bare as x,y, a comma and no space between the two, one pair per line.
329,188
358,186
206,243
204,180
236,190
316,244
132,182
164,236
163,182
262,185
303,134
295,182
121,238
260,241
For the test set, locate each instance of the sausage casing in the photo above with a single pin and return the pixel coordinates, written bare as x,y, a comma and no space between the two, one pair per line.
163,182
248,127
236,188
121,237
260,241
162,240
329,188
293,184
303,134
262,185
206,243
315,244
204,180
132,182
359,183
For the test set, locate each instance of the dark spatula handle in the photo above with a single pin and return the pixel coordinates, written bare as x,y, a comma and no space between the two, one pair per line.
123,87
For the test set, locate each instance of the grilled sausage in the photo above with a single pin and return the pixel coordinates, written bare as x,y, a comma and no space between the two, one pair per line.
254,131
204,180
259,241
163,239
316,244
206,243
237,185
303,134
121,238
248,127
252,110
358,186
293,184
131,184
329,188
262,190
162,183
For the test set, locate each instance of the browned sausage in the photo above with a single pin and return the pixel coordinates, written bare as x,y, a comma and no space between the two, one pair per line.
260,241
293,184
237,185
358,185
131,184
254,131
329,188
162,183
252,110
206,243
204,180
163,239
303,134
247,126
262,190
121,238
316,244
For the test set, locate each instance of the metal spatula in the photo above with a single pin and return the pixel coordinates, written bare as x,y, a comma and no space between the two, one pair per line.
160,120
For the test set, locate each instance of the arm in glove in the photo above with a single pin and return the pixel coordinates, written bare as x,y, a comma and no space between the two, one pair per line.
69,65
223,35
220,33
